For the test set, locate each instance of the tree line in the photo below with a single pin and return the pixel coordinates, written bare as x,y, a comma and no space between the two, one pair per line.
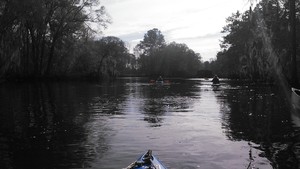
57,38
260,42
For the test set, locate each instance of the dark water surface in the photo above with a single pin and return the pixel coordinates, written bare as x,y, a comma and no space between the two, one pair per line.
187,124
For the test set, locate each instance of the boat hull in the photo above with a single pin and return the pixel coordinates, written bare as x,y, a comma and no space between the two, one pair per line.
146,161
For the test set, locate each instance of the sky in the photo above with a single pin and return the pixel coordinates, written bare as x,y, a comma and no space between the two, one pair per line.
196,23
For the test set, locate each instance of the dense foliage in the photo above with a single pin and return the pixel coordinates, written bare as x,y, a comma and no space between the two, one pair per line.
260,42
104,58
173,59
54,38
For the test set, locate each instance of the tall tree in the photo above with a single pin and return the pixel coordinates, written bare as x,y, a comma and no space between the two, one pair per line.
234,44
112,56
70,16
153,41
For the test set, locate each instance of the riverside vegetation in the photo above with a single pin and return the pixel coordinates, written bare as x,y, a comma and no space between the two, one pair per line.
62,39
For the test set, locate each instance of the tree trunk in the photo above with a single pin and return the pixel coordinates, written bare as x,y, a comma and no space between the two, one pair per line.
42,55
51,54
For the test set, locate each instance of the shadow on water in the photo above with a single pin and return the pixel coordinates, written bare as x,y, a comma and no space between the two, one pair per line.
48,125
263,118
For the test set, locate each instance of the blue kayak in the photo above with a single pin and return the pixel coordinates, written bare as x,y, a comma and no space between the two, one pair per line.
147,161
159,82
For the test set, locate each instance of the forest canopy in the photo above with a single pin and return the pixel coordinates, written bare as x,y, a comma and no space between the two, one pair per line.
158,58
260,43
62,38
57,38
41,37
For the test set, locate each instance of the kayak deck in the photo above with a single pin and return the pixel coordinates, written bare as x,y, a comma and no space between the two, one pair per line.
146,161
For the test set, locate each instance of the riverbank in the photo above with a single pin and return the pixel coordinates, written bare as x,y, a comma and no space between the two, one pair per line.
79,78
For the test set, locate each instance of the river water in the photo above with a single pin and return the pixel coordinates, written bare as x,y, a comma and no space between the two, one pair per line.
187,123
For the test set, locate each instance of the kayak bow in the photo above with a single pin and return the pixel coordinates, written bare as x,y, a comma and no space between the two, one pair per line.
146,161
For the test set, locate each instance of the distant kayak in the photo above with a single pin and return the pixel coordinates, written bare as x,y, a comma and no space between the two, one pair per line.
160,82
146,161
216,80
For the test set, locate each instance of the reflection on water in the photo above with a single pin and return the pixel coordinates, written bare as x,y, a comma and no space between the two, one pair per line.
188,124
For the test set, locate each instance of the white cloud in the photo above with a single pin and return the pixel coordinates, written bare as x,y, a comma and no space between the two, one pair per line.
196,23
